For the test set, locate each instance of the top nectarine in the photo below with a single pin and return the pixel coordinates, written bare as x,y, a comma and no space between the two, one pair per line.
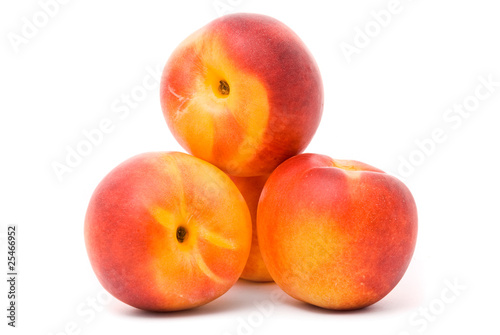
242,93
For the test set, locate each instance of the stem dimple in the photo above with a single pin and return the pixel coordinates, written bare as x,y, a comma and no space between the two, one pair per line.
181,234
224,87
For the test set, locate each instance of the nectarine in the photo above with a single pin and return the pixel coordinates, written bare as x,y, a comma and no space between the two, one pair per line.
243,93
167,231
333,233
250,188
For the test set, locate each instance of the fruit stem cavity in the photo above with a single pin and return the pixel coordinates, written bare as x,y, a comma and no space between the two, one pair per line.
223,87
181,234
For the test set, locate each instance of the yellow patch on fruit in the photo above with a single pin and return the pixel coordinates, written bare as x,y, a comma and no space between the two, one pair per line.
344,165
164,217
216,239
222,87
204,267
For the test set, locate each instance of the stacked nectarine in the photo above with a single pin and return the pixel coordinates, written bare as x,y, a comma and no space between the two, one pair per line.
251,188
337,234
169,231
242,93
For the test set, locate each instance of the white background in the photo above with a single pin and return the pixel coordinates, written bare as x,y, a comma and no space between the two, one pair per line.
396,90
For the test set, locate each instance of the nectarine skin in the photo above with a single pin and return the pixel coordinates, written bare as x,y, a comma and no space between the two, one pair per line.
250,188
243,93
167,231
336,234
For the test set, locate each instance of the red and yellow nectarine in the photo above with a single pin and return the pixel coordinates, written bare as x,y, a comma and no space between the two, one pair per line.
250,188
242,93
167,231
333,233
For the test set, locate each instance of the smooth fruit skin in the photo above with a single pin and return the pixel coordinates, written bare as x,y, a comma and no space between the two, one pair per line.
336,234
243,93
167,231
251,188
